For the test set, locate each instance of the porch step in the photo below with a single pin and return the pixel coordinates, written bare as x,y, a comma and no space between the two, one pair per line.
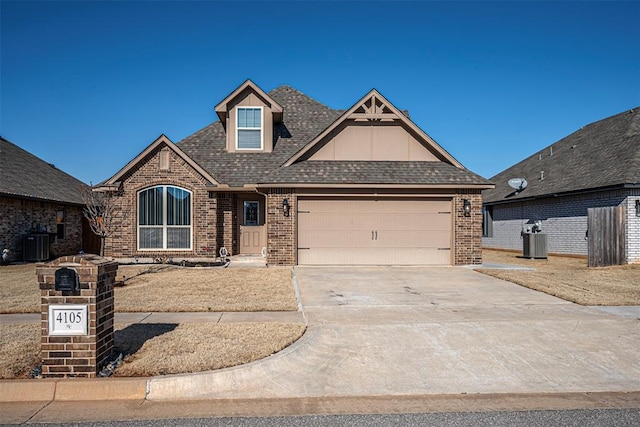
247,261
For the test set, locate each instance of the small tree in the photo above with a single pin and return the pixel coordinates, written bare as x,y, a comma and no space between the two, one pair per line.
102,212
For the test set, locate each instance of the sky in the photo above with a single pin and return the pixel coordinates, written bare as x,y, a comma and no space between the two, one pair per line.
88,85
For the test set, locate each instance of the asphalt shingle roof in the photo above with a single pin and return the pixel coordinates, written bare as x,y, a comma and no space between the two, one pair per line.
24,175
304,119
602,154
379,172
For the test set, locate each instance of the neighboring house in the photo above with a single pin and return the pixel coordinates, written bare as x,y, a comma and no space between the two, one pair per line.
596,166
283,175
40,206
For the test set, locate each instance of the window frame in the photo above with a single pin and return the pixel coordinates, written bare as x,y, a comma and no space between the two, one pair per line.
164,226
61,223
487,221
238,128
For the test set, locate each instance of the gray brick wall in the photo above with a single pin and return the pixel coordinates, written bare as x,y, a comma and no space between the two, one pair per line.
633,228
564,219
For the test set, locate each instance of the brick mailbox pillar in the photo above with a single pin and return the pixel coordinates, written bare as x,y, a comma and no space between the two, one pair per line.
77,315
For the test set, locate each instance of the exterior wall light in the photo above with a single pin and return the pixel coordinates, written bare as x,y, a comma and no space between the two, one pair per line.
638,207
466,207
285,207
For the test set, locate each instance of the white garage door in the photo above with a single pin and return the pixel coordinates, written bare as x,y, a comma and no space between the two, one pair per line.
374,232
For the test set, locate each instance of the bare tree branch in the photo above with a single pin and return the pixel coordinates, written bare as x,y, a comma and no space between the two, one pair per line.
102,212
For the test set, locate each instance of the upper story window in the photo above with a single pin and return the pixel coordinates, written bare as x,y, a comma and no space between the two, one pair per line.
164,218
249,128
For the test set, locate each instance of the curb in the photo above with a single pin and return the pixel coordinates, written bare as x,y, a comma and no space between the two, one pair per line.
12,391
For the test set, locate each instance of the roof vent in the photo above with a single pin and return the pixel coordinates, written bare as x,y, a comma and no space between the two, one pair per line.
541,175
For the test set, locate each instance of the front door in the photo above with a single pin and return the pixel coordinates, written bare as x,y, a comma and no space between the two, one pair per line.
252,229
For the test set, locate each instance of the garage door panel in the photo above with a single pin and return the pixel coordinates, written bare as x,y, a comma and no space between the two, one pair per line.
413,221
374,232
335,239
413,239
373,256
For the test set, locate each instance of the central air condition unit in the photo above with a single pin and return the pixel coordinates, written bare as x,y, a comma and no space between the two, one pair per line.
35,247
534,245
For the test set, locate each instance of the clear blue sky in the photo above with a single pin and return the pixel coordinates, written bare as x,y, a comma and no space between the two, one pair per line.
88,85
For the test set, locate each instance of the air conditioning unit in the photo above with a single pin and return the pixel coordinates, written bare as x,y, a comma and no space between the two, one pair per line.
35,247
534,245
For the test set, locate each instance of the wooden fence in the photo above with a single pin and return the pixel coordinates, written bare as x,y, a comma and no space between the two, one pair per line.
607,236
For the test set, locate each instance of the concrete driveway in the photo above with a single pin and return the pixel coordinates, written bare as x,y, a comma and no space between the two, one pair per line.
416,331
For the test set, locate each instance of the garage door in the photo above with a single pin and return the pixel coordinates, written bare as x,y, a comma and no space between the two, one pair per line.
374,232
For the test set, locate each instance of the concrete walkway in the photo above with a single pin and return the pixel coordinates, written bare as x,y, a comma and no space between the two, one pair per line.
405,335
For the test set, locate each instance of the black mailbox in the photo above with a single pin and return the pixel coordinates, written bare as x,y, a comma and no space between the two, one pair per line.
67,280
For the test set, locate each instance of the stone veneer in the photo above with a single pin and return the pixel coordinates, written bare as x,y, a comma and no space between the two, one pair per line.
78,356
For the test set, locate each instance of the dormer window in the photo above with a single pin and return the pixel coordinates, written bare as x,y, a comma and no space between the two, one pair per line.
249,128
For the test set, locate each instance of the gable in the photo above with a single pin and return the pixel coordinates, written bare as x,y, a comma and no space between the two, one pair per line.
373,129
259,134
161,158
373,140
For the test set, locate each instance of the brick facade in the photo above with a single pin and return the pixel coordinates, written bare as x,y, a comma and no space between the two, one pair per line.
148,173
281,230
228,222
78,355
564,220
467,229
21,216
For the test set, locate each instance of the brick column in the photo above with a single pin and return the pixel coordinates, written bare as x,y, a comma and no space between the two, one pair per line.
468,229
78,355
281,230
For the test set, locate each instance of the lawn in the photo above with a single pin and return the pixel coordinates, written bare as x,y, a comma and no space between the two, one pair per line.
168,288
156,349
570,278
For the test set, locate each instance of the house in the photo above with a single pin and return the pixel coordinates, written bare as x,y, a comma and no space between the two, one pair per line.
282,175
596,166
40,207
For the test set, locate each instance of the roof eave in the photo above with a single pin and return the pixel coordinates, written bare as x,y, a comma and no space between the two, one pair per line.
39,199
356,185
565,193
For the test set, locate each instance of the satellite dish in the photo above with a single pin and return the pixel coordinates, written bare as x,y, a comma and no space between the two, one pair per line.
518,184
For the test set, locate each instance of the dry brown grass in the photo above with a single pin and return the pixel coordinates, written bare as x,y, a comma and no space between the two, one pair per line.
197,347
571,279
168,288
171,289
19,292
19,349
159,349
